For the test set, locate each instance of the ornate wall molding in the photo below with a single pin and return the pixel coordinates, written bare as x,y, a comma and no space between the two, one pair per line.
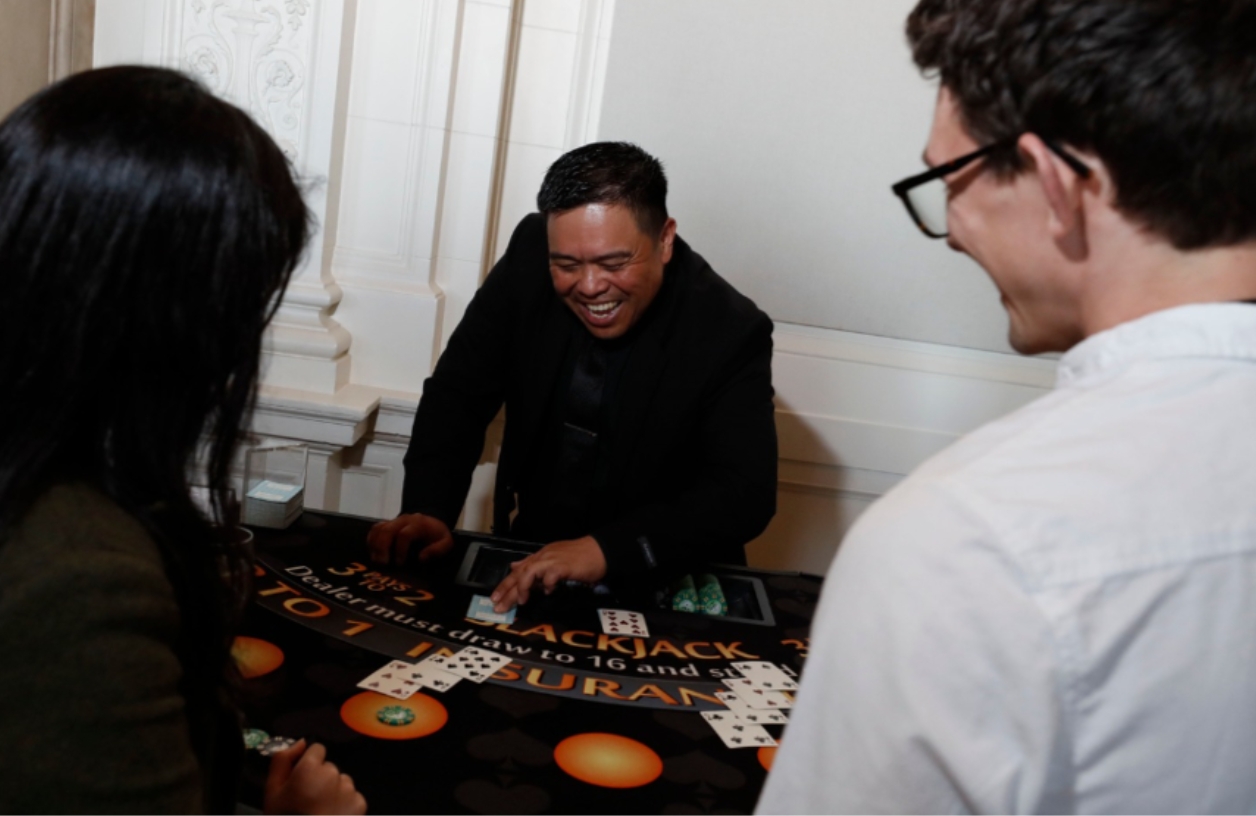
254,53
286,62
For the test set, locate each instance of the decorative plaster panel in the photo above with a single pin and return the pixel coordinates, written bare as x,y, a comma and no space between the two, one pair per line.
256,54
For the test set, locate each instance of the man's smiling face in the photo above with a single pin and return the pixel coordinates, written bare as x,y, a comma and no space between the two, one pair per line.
1003,225
604,267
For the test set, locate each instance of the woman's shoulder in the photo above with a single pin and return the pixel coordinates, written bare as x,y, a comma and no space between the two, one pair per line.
75,551
76,514
84,599
75,560
75,528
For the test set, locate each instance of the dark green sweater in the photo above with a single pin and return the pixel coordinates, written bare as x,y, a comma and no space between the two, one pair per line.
91,717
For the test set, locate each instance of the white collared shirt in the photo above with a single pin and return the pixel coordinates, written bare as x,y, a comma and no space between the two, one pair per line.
1058,612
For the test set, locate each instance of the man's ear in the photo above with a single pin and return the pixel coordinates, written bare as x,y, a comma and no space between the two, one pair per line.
1061,186
667,238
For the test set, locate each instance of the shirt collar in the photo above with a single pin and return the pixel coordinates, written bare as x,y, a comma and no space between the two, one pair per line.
1211,330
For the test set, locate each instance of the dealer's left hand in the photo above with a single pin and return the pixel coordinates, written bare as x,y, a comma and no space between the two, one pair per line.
580,559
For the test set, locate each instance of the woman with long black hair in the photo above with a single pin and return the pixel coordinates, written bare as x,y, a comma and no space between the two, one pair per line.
147,231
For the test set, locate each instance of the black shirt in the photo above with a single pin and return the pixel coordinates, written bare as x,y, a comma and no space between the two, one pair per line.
549,508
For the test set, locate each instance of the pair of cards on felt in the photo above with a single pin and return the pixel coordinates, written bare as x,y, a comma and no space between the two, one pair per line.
400,680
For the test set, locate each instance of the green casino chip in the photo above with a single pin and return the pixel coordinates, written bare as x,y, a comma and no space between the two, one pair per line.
685,595
395,715
711,596
254,738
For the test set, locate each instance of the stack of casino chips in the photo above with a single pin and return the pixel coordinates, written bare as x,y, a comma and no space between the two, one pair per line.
704,595
255,738
395,715
711,596
258,740
685,595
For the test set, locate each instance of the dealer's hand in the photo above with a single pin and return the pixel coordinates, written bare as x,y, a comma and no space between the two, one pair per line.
392,540
301,780
578,560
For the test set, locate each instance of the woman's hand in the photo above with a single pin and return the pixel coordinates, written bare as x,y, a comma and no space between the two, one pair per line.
301,780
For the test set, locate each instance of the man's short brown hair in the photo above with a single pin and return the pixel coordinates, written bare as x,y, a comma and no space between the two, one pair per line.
1162,91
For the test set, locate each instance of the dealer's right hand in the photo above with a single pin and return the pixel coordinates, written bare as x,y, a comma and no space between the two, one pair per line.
391,541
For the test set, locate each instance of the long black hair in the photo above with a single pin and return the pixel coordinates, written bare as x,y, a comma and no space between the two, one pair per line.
147,230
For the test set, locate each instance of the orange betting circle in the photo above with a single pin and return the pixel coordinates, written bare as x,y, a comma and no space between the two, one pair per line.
255,657
767,755
608,760
361,713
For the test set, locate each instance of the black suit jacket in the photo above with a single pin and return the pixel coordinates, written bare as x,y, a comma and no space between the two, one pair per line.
693,456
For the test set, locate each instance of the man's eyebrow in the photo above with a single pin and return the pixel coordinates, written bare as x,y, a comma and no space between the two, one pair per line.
618,255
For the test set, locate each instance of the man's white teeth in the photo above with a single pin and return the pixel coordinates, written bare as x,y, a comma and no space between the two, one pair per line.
602,308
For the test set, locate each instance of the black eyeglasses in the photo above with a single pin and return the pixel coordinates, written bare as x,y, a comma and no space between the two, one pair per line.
925,195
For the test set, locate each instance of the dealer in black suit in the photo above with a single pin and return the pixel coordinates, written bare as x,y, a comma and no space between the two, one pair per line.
638,391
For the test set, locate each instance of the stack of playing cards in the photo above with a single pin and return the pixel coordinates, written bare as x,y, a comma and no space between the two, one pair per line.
623,622
273,504
400,680
482,609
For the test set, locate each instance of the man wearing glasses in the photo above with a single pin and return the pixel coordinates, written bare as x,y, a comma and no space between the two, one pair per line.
1058,614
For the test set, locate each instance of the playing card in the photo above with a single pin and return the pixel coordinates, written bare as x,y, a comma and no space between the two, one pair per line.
737,733
395,680
431,675
719,716
765,675
623,622
476,665
758,698
738,706
482,609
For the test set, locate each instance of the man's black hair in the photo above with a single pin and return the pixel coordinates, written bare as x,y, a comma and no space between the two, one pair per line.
1162,91
608,173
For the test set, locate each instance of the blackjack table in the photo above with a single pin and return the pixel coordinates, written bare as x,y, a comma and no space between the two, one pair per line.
579,721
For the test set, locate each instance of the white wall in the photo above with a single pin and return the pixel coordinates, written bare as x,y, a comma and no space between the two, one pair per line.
783,125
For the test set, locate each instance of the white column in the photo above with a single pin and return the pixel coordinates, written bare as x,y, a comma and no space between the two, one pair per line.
393,112
557,101
423,128
395,150
285,62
